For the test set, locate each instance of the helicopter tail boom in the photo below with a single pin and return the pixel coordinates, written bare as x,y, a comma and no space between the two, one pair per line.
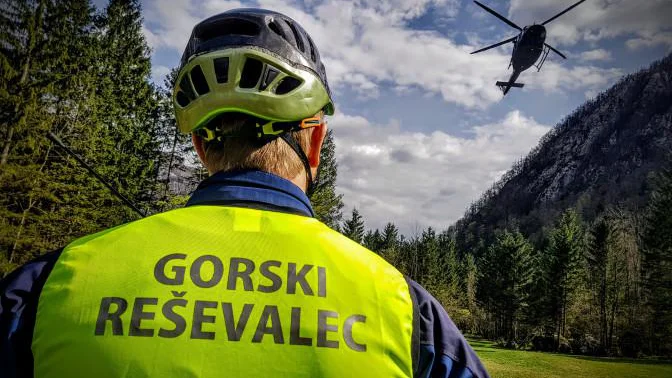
505,86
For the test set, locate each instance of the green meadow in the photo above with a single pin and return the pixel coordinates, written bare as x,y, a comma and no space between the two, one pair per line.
506,363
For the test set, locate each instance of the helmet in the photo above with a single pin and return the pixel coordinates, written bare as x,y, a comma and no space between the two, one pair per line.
251,61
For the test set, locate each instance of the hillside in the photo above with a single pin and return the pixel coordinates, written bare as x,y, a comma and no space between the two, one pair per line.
600,155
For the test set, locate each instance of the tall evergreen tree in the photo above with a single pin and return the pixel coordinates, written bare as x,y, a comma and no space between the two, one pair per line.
432,266
610,244
471,285
327,204
452,270
505,281
47,53
657,263
390,245
563,267
373,240
175,176
354,227
130,108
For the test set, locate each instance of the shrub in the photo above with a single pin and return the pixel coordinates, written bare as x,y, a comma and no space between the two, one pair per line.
630,343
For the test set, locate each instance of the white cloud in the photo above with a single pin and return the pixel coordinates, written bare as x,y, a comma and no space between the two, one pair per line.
368,43
556,77
595,55
159,73
168,23
424,179
649,41
594,20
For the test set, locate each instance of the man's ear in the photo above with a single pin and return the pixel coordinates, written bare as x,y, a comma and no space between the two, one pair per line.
316,139
199,145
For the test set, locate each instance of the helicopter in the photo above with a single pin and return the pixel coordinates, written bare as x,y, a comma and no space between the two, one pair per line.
528,46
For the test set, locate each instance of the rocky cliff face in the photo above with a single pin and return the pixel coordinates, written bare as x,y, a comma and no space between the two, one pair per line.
602,154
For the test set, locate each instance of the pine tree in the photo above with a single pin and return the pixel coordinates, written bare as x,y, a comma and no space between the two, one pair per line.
354,227
452,270
611,247
389,249
657,263
598,254
505,281
87,82
563,263
432,266
22,35
327,204
175,178
130,108
47,57
471,285
373,240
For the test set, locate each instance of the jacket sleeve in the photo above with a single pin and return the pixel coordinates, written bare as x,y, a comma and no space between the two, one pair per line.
19,293
442,350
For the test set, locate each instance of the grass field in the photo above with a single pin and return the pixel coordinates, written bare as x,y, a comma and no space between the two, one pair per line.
505,363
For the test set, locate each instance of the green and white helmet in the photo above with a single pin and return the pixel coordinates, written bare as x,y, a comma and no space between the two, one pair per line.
251,61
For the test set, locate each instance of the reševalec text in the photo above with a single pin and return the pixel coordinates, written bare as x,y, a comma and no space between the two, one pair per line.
189,318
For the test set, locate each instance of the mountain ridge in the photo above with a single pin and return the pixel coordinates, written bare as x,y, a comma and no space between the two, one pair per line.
600,155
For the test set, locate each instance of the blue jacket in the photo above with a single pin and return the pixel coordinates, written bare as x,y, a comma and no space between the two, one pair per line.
439,350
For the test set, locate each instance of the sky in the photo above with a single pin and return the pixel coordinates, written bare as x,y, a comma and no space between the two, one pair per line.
420,128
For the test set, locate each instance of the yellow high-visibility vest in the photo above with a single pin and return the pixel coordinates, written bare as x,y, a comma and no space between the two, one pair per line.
210,291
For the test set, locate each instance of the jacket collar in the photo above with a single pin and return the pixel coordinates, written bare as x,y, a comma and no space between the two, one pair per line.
252,188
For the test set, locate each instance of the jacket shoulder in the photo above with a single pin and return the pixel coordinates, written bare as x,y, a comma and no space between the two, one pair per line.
19,294
442,345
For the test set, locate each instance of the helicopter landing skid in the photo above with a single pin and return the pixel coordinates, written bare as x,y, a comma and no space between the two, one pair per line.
542,59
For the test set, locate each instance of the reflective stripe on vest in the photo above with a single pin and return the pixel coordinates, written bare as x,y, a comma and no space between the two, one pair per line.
209,291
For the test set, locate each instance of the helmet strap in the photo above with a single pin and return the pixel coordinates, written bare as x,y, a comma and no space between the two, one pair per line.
311,184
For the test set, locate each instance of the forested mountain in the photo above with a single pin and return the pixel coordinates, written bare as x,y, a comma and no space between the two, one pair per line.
571,250
602,154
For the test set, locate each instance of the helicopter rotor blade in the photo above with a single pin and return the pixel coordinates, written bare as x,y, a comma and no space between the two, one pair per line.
495,45
555,51
510,23
563,12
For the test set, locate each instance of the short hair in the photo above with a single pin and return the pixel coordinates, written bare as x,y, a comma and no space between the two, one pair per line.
238,153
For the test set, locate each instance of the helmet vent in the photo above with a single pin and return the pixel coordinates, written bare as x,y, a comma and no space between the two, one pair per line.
312,50
297,37
273,25
287,85
222,69
251,73
227,26
200,84
271,74
185,86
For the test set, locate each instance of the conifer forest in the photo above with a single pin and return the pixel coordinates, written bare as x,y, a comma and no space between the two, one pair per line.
583,268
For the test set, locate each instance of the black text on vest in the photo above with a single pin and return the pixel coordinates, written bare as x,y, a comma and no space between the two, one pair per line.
218,319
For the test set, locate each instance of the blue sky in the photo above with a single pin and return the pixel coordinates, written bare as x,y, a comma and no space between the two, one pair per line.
421,129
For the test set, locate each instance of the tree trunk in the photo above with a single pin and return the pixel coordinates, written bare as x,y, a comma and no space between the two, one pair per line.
603,314
5,149
611,321
31,202
170,164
